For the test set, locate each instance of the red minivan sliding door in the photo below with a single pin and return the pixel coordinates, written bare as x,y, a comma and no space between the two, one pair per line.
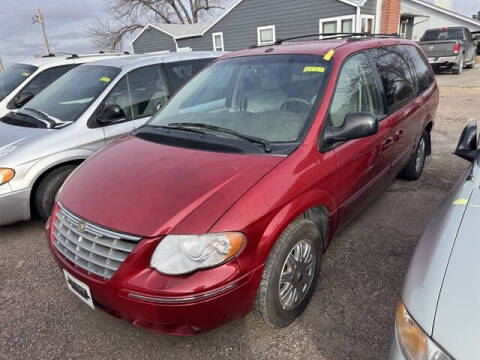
397,73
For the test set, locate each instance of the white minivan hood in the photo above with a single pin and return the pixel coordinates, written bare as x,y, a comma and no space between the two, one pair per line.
457,321
12,137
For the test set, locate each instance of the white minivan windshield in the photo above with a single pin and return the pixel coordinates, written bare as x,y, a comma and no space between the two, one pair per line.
68,97
12,76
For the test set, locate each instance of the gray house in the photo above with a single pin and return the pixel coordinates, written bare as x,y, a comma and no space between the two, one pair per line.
419,15
261,22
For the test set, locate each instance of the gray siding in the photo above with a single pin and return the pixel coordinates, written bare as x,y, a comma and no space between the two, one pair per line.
290,17
153,40
369,8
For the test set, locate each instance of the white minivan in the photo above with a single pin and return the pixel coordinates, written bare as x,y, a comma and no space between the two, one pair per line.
20,82
44,141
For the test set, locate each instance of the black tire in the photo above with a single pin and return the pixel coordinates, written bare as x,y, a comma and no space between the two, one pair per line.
414,169
44,197
471,66
268,303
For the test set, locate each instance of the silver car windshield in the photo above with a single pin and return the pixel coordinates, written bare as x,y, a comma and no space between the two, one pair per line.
68,97
267,97
12,76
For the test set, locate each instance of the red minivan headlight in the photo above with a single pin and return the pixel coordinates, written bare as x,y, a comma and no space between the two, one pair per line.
182,254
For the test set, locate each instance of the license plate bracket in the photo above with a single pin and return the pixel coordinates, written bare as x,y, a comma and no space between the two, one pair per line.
80,289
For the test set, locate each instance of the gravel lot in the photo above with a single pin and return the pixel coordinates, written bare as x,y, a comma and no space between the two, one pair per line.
351,314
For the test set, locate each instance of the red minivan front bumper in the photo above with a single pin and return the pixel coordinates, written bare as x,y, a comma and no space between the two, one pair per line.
200,302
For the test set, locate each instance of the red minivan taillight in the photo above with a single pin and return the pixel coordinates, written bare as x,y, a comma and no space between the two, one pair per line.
456,48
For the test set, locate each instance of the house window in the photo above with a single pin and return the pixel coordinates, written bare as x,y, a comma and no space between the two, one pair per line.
341,24
368,24
218,41
403,28
266,35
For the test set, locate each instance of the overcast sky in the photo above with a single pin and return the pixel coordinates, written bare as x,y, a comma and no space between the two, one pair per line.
66,22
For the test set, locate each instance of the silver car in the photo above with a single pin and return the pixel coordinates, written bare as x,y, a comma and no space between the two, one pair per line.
438,317
43,142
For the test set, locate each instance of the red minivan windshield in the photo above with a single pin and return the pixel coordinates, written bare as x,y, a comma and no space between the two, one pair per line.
269,97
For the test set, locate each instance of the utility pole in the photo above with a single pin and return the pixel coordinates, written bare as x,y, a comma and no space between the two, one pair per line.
42,24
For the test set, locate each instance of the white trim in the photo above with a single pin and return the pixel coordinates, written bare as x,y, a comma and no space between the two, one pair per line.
262,28
447,12
353,3
339,20
358,21
372,17
379,16
213,40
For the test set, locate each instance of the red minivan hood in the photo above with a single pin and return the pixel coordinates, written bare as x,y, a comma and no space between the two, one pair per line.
143,188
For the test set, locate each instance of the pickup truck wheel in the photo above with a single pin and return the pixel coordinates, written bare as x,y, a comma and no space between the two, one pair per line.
414,169
460,67
290,274
44,197
471,66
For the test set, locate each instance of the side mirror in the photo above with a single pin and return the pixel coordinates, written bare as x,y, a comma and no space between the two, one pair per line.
467,145
356,125
109,114
19,100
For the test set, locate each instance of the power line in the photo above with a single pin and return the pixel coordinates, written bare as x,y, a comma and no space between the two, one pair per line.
16,29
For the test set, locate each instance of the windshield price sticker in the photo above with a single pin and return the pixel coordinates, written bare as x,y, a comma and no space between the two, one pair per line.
319,69
26,74
329,55
105,79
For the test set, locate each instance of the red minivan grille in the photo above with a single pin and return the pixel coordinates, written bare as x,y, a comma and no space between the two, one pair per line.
98,251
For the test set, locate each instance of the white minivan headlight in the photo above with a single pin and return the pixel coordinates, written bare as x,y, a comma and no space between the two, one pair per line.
182,254
6,175
415,344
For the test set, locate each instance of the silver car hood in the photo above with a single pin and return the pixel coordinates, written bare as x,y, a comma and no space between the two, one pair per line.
457,321
429,263
12,137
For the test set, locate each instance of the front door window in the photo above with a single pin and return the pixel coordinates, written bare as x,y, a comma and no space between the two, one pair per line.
356,91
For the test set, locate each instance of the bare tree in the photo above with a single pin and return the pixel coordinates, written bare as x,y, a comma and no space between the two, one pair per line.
123,17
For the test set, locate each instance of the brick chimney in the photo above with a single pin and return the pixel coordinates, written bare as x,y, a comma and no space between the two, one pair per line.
446,4
390,16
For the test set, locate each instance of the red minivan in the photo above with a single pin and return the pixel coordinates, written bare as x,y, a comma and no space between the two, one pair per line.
226,200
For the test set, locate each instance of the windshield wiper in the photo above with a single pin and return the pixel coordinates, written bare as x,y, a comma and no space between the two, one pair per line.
177,128
266,145
42,116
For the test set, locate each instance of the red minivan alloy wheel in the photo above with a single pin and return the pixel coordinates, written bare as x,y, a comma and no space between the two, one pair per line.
225,201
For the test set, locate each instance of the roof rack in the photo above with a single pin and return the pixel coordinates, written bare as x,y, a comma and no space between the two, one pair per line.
329,36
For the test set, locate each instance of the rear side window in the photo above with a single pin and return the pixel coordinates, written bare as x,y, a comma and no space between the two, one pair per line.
394,65
425,77
45,78
356,91
180,72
